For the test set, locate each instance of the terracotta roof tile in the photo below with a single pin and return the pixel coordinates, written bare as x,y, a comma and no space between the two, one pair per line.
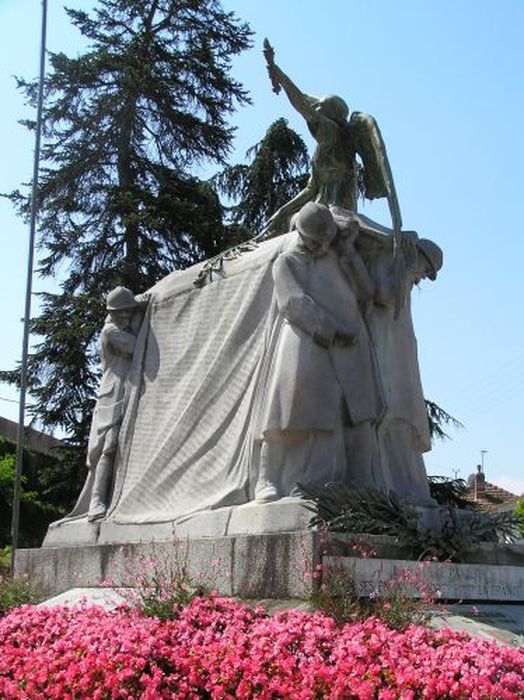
492,497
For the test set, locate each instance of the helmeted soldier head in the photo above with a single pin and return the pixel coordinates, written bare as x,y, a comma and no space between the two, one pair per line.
433,255
120,298
121,303
316,227
315,221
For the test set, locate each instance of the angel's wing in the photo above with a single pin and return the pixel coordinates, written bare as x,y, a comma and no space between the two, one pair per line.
378,179
378,182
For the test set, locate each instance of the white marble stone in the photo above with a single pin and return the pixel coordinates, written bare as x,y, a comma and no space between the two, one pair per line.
71,532
209,523
287,515
263,378
112,533
108,598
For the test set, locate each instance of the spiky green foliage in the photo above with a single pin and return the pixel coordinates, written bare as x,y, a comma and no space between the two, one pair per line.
345,509
341,508
278,170
519,511
439,420
450,492
124,122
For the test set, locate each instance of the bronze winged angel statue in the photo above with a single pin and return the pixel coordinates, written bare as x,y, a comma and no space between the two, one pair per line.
336,177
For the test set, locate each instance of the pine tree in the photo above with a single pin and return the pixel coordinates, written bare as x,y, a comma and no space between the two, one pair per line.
439,420
277,171
124,123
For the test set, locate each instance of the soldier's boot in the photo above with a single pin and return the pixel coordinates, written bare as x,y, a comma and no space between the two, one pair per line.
99,494
266,489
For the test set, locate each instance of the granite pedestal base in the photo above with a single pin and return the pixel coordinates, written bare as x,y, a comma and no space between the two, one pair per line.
248,566
254,551
286,515
446,581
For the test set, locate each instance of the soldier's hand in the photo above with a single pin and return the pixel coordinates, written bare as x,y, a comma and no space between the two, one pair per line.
346,337
346,237
143,299
352,229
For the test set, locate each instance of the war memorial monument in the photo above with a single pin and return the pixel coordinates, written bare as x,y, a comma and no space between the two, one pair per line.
290,361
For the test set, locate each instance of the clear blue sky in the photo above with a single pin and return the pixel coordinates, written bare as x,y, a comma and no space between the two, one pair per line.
444,81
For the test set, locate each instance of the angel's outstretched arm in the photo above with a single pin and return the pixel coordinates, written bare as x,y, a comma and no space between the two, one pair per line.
301,102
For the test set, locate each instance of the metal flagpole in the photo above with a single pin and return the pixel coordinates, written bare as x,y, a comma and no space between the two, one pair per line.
27,316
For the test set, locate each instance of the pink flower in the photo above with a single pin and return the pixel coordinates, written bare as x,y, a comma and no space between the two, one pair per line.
220,648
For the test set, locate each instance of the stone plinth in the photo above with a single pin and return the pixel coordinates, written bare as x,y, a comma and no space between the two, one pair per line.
271,565
445,580
249,566
254,551
285,515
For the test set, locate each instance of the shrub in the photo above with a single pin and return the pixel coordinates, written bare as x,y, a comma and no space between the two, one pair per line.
14,592
342,508
5,560
218,648
35,513
161,587
519,511
404,600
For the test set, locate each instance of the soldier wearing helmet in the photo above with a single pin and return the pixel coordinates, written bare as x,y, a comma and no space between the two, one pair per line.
431,257
117,345
403,432
320,398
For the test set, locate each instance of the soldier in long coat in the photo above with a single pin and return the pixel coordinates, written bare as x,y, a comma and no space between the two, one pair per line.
117,345
404,430
321,378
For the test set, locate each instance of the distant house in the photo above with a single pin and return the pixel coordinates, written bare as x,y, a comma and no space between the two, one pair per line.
43,480
34,440
489,496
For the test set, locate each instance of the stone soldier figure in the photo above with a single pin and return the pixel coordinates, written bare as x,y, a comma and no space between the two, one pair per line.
403,432
321,384
117,342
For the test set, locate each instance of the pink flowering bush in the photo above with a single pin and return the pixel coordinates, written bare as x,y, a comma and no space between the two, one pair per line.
218,648
161,588
405,599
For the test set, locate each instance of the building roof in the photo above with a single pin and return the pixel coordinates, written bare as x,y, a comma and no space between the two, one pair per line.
489,496
35,440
